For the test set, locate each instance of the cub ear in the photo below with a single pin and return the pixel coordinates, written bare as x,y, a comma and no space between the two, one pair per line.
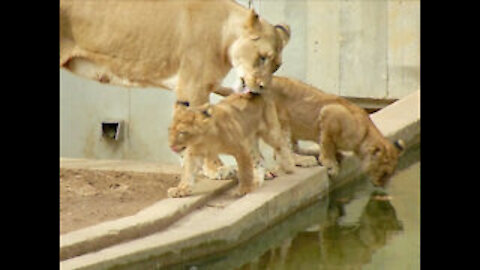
283,32
252,24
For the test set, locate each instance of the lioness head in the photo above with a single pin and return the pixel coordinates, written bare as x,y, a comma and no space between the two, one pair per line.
187,126
257,54
382,161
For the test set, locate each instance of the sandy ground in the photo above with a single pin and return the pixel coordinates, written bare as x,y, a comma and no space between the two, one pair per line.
88,197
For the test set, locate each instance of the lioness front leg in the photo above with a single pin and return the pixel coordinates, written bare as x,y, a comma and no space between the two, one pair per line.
191,167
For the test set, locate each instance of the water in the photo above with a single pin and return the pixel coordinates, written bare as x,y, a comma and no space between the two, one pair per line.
364,228
356,226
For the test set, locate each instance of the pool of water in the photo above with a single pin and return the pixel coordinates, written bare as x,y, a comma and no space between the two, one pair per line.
364,228
356,226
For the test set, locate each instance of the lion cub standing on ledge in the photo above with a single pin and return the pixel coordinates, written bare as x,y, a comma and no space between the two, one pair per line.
229,127
306,113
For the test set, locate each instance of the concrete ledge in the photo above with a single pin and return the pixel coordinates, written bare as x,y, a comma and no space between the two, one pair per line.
400,120
226,222
213,228
146,221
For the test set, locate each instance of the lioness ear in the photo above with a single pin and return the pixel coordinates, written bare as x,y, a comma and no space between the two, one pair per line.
252,24
283,32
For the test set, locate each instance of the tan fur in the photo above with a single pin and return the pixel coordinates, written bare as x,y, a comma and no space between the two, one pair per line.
187,45
306,113
228,127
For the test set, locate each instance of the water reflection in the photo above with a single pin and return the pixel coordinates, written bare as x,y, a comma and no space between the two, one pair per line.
356,226
334,244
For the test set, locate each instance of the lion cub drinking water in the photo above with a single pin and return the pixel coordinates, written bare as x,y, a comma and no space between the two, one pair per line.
306,113
229,127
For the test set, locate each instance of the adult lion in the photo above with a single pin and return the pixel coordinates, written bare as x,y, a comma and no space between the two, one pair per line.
188,46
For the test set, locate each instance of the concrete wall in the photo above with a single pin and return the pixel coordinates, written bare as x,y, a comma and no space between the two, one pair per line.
357,48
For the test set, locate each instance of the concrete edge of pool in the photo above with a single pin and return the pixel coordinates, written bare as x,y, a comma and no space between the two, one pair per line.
211,229
148,220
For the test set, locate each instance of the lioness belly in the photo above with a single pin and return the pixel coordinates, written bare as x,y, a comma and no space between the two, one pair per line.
98,72
93,71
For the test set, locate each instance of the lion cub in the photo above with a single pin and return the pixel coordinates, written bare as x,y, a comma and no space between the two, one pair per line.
229,127
306,113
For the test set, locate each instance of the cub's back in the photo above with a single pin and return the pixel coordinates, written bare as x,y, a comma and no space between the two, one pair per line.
239,115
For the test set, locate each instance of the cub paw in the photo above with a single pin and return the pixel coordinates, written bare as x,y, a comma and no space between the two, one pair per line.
243,190
332,171
182,190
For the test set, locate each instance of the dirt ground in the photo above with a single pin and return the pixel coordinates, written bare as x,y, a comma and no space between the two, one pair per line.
88,197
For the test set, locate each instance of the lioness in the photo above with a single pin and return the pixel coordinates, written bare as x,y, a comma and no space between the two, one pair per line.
228,127
187,45
307,113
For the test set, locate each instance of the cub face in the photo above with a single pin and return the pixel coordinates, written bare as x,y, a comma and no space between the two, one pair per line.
382,163
187,127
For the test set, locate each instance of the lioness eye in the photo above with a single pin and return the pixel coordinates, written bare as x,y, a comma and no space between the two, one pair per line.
261,60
